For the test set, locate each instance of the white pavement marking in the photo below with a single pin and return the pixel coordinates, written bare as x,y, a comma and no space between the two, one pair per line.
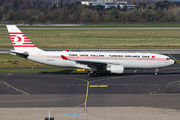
14,88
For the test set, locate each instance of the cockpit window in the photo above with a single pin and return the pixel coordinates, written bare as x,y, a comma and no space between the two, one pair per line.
168,58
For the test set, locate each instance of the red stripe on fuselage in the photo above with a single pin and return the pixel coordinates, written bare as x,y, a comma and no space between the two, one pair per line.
116,58
107,58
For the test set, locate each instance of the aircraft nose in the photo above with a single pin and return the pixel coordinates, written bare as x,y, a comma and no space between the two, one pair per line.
174,62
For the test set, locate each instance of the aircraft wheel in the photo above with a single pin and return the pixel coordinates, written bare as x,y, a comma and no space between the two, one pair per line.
156,71
94,73
89,73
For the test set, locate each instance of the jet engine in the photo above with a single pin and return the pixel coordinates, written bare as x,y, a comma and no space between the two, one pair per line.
118,69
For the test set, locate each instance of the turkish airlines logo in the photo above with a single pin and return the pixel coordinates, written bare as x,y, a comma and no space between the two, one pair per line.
19,40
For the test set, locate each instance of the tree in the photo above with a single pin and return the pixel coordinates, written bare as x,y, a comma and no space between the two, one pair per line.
85,15
29,5
125,8
150,6
75,17
99,7
169,17
159,15
1,2
114,13
15,5
54,7
176,13
90,6
135,15
4,19
1,12
94,16
132,2
118,7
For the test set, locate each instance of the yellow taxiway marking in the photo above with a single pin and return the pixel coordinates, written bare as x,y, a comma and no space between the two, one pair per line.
98,86
7,75
173,58
93,85
14,88
103,86
85,102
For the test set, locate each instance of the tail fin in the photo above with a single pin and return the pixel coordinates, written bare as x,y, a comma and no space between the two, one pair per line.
20,42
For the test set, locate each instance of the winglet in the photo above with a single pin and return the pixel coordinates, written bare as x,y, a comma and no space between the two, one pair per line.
64,58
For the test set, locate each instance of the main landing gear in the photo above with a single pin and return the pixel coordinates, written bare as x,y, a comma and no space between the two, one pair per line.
156,71
92,73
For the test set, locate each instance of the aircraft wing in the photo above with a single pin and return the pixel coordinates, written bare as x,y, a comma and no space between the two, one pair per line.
89,62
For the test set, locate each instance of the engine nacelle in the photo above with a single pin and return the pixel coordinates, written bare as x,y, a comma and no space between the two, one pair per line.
118,69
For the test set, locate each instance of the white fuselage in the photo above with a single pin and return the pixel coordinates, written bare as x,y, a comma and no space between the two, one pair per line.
128,60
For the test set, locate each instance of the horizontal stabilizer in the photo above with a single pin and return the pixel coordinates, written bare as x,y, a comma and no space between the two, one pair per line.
20,54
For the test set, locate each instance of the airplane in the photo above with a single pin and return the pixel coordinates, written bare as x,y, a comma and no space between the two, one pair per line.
115,62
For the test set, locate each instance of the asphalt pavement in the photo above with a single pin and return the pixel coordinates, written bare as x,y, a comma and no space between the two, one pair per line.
135,95
51,90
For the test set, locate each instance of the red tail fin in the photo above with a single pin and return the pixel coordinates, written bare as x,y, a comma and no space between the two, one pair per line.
20,41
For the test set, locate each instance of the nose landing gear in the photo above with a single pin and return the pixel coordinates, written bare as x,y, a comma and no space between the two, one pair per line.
156,71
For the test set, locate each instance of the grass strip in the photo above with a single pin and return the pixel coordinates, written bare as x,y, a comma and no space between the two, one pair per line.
98,39
98,26
14,62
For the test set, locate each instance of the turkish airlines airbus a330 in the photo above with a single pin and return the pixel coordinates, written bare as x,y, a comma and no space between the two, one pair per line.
112,61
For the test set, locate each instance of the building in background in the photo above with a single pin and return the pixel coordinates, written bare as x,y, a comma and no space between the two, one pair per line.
127,1
123,4
105,4
110,3
42,4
